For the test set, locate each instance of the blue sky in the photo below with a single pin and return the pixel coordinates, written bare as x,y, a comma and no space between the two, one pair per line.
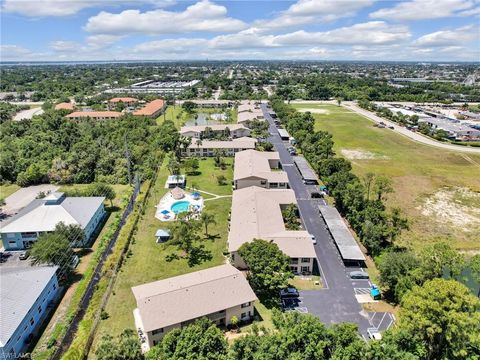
424,30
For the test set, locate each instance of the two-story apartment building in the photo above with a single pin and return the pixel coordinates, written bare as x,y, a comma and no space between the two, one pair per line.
259,168
233,131
152,109
95,115
27,293
257,214
218,293
42,215
202,148
127,101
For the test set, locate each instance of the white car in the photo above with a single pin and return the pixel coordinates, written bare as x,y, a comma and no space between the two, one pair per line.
314,241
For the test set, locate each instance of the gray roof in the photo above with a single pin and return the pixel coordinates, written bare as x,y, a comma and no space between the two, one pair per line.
19,289
283,133
304,168
185,297
162,233
40,216
346,244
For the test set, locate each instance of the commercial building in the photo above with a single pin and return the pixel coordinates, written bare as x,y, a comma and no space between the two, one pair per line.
96,115
156,87
259,168
455,129
344,240
199,147
223,130
42,215
218,293
257,214
26,296
152,109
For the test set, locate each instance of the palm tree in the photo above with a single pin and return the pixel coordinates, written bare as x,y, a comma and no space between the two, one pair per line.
207,219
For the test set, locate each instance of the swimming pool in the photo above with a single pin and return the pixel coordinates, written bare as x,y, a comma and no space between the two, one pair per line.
180,206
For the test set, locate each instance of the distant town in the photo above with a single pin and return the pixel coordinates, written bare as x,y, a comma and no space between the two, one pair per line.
158,210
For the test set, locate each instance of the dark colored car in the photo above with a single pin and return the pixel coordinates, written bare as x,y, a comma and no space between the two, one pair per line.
316,195
289,292
358,275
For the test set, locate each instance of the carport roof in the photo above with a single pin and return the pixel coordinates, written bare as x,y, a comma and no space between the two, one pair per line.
348,247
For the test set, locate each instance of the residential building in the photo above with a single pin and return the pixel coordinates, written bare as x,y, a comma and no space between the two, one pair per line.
174,181
249,111
127,101
210,103
199,147
218,293
259,168
65,106
257,214
42,215
96,115
152,109
27,293
222,130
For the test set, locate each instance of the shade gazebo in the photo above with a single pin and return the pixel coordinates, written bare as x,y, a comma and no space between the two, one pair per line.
177,193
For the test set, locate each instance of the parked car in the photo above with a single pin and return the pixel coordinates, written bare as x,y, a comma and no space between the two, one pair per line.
391,127
24,255
316,195
358,275
289,292
314,241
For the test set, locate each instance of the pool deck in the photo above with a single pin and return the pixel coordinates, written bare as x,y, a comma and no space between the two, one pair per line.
164,208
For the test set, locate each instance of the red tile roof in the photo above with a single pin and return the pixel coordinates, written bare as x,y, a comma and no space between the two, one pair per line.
94,114
123,99
64,106
150,108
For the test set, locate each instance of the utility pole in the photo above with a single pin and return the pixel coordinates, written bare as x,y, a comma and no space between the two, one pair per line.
127,156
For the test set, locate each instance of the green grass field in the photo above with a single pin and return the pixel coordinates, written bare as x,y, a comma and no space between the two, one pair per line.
418,171
179,117
7,190
146,261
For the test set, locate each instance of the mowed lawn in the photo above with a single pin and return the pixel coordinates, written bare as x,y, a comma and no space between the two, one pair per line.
146,261
7,190
418,171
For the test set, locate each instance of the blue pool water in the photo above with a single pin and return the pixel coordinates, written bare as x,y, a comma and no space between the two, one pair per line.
180,206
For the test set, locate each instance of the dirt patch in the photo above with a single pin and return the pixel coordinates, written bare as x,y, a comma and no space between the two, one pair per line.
459,207
361,155
315,111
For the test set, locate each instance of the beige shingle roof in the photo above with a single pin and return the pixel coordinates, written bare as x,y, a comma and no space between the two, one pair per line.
239,143
217,127
185,297
256,214
255,164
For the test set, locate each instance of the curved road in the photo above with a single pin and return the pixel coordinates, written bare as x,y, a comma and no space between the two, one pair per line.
412,135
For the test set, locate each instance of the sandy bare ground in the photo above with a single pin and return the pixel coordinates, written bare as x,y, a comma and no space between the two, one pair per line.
315,111
28,114
361,155
446,206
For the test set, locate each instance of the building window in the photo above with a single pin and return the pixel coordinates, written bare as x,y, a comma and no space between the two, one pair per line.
54,287
39,309
305,269
12,242
155,342
244,315
294,261
305,260
28,235
246,304
157,331
32,321
293,269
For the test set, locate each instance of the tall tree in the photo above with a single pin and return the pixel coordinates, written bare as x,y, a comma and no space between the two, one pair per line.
268,266
207,219
125,347
444,316
53,249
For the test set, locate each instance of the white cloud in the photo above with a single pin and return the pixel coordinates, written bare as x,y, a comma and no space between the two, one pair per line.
453,37
204,16
425,9
101,41
63,46
13,52
373,32
40,8
311,11
177,46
